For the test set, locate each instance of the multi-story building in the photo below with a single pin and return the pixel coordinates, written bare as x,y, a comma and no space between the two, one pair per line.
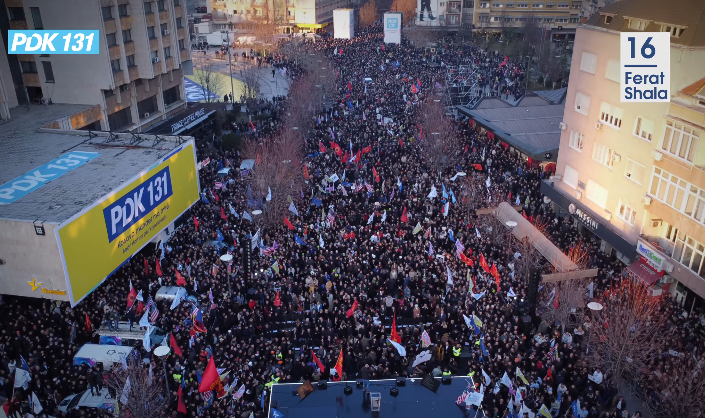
135,81
556,17
633,174
304,14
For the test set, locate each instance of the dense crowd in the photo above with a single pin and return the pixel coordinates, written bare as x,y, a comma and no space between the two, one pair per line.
405,284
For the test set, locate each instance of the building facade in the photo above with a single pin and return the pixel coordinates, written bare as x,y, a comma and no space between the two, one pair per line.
135,81
304,14
633,174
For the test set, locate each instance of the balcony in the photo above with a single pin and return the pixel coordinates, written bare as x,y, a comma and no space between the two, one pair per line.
129,48
18,25
119,77
181,33
185,55
115,52
134,73
153,44
157,67
164,16
662,244
110,26
126,22
170,63
150,19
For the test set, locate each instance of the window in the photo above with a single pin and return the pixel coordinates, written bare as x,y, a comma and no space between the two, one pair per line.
36,18
637,24
108,93
576,141
582,103
612,72
176,3
130,60
510,5
148,7
537,19
122,10
603,155
167,52
484,5
182,45
608,18
570,176
508,19
150,32
48,72
550,5
497,5
680,141
484,18
110,37
596,194
548,19
577,5
611,115
574,18
468,4
678,194
115,65
561,20
522,5
107,13
634,171
496,18
28,67
562,5
160,5
180,25
689,253
537,5
588,63
626,213
16,13
154,55
643,128
126,35
675,31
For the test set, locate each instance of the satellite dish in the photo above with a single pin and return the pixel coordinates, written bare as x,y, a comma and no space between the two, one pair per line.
226,257
256,212
162,351
594,306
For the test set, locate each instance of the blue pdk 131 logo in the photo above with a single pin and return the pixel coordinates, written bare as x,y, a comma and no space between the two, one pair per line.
54,41
392,23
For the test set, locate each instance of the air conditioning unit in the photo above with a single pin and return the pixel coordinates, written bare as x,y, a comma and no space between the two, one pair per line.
165,32
578,194
658,156
655,223
598,125
668,268
155,59
646,200
617,157
145,116
608,215
563,126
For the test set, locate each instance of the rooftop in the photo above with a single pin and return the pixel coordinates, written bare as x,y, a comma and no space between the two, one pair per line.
28,146
689,14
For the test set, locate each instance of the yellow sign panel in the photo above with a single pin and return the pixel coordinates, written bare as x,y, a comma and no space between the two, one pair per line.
97,241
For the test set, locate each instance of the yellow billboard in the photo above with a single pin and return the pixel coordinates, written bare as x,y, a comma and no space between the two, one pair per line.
97,241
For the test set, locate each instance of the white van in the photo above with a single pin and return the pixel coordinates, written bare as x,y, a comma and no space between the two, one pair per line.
84,399
169,293
92,354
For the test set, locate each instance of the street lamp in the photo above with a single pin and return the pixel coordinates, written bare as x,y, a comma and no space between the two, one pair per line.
226,259
162,351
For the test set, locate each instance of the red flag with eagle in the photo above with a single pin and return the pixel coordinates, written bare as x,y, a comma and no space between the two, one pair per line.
466,260
321,147
320,365
483,263
211,379
395,336
339,367
374,172
404,218
195,224
222,214
159,269
146,263
259,159
277,301
367,149
306,176
131,296
288,223
336,149
180,281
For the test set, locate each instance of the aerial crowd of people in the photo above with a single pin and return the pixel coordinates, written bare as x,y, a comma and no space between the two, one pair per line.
345,285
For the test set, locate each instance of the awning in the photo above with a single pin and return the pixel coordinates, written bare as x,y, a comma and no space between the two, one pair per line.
181,122
643,272
311,25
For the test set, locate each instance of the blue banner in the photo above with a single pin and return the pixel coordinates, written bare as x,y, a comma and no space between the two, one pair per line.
56,42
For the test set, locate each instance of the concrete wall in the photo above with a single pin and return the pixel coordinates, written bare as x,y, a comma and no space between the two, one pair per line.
30,256
8,98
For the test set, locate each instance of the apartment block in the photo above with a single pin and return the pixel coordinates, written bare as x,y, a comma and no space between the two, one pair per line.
304,14
633,174
557,17
136,80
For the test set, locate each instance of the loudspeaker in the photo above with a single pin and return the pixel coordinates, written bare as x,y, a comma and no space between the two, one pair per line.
430,383
401,381
446,380
394,392
348,390
322,385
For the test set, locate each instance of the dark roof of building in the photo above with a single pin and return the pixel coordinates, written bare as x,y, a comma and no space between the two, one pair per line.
694,88
688,13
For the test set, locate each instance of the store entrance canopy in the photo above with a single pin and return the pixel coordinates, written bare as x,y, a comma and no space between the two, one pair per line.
645,273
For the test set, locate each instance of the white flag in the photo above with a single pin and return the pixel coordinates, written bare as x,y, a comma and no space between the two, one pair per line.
22,378
269,195
511,293
255,241
177,301
371,218
591,288
433,193
384,216
545,412
146,341
477,232
139,296
449,274
446,209
232,211
334,178
35,404
320,242
292,209
487,182
468,322
474,398
144,321
125,391
400,348
553,294
506,381
423,356
487,378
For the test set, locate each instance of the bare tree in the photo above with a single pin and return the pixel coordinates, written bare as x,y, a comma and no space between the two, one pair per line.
439,146
321,73
566,307
251,81
210,80
278,168
299,110
368,13
621,336
146,397
420,37
529,259
678,385
408,7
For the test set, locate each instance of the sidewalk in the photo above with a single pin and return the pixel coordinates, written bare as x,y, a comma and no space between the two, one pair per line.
269,86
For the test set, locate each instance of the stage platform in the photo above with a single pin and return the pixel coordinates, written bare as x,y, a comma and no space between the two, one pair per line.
413,400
